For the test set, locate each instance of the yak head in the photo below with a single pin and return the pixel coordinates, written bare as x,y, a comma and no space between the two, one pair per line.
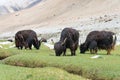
59,47
37,43
83,48
43,40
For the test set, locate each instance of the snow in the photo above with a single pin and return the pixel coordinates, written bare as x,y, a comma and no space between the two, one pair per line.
50,46
10,6
7,42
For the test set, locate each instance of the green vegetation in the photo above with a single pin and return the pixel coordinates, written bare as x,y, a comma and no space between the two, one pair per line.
47,73
107,67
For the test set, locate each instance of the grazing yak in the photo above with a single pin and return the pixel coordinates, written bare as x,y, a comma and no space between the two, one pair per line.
93,46
69,39
99,40
26,38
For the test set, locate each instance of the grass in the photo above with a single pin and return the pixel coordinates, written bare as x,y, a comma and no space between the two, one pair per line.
47,73
105,68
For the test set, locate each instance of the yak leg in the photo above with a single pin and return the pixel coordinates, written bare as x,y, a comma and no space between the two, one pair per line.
30,46
21,47
108,51
26,45
91,51
64,54
95,51
72,52
113,47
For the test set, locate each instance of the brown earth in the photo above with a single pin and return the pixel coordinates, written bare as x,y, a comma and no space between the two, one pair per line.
59,13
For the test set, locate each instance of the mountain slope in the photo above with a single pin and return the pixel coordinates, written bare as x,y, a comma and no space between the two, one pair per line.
57,12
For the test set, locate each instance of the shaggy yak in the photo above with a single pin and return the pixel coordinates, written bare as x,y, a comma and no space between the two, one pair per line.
69,39
99,40
27,38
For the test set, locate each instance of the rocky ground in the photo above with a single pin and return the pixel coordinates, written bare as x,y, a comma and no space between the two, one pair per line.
107,22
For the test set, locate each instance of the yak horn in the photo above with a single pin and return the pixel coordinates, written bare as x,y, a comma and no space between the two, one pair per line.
64,41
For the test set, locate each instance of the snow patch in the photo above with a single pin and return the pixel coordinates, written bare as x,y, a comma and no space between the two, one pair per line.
96,56
50,46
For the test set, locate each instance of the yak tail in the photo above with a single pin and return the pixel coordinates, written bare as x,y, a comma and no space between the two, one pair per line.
114,41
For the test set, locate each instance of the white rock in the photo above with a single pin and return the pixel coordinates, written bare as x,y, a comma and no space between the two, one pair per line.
96,56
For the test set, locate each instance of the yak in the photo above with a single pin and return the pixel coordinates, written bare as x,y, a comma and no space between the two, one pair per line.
26,38
69,39
93,47
99,40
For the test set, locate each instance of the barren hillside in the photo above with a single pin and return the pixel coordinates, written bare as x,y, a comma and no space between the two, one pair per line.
59,13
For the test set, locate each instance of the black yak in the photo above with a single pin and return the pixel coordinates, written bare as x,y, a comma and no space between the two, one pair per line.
69,39
26,38
102,40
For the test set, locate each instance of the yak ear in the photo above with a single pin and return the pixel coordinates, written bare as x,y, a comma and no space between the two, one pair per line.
64,41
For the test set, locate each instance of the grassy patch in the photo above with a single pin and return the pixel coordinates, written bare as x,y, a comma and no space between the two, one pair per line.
105,68
4,53
47,73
